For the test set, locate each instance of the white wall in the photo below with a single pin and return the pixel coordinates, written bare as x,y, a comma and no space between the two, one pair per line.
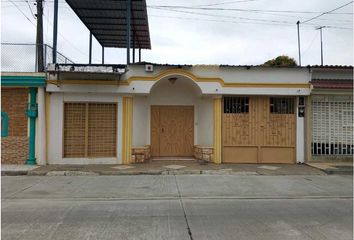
205,122
241,75
55,148
300,135
233,74
41,128
140,121
183,92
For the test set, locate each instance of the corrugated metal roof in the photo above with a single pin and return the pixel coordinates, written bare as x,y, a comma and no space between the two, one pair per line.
333,83
106,19
213,65
332,66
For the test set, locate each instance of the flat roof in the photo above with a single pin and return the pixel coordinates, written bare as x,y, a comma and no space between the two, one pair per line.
106,20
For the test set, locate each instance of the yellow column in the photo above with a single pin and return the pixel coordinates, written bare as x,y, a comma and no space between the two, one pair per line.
127,129
217,130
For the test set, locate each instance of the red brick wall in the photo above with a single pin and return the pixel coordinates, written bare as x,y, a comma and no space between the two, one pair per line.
14,148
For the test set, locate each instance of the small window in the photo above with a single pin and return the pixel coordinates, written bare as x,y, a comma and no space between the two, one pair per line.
280,105
236,104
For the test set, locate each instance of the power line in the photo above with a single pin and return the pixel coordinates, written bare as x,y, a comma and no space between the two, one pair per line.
311,43
200,7
223,3
239,9
327,12
66,40
22,12
256,20
216,15
30,9
235,22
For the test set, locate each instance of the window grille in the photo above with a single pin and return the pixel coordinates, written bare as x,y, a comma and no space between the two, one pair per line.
332,125
236,104
90,129
282,105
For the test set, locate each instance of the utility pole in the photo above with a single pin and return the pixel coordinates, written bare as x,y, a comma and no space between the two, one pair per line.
39,37
298,41
320,28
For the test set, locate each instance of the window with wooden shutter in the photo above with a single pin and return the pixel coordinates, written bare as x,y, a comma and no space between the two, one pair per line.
90,129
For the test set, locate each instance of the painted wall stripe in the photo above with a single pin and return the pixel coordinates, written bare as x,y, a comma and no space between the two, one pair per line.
127,129
217,130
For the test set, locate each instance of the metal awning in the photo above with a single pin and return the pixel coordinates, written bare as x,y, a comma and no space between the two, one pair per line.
106,20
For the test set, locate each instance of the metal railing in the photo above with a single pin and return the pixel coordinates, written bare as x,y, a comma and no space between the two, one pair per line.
22,57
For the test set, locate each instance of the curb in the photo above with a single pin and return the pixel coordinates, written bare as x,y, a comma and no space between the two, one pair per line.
337,172
333,171
14,173
125,173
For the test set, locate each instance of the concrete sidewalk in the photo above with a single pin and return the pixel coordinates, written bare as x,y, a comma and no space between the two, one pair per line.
334,167
164,168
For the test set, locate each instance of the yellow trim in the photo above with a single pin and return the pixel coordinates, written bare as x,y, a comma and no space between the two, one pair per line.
186,74
23,74
127,129
89,82
47,123
217,130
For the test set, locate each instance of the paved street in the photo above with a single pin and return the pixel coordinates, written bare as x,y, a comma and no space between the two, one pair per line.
177,207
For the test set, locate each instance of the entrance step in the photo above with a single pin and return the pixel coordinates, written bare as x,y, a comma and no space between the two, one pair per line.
173,159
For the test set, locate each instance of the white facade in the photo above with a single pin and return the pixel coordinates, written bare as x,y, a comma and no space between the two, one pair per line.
55,144
195,86
182,92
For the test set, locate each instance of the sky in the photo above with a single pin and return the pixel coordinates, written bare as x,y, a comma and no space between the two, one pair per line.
194,36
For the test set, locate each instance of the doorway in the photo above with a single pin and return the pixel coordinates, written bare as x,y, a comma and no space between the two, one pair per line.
172,131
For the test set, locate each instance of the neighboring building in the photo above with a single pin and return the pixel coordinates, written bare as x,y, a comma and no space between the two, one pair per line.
22,100
332,113
225,114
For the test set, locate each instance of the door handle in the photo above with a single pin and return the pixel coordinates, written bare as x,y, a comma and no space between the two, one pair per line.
162,130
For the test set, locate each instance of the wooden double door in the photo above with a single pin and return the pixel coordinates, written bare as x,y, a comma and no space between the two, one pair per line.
172,131
259,129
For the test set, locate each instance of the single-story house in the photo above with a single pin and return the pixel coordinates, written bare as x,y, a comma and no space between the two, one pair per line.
222,114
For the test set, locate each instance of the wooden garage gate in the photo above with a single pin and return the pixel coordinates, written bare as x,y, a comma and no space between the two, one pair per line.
90,129
259,129
172,131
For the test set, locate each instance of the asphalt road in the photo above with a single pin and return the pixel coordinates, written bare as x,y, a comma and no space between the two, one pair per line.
177,207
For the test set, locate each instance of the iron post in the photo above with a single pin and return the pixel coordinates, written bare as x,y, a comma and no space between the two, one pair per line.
102,54
129,6
55,31
90,49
